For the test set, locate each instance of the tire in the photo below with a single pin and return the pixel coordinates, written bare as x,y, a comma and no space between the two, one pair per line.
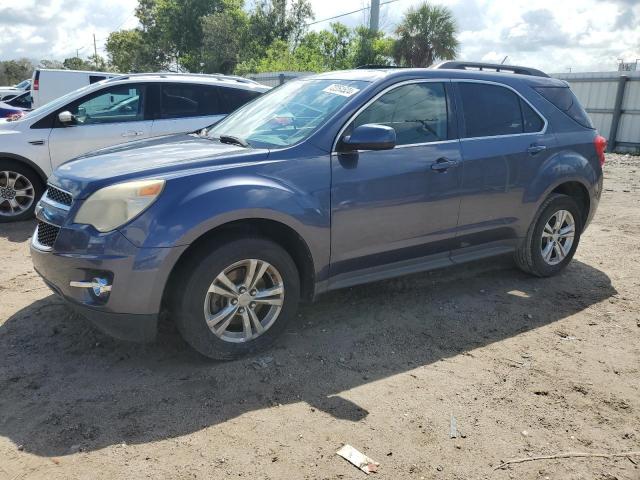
201,271
530,255
18,177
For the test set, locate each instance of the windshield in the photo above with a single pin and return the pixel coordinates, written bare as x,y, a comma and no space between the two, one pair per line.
287,114
59,102
24,84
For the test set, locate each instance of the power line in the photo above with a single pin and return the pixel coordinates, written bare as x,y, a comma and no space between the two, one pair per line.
349,13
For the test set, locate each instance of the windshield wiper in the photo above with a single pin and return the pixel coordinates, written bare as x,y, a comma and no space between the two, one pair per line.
234,140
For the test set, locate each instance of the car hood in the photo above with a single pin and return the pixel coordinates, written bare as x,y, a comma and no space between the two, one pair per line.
158,157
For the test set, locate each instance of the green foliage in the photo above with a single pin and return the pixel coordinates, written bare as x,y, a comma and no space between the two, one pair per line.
94,63
14,71
336,49
426,34
131,51
225,36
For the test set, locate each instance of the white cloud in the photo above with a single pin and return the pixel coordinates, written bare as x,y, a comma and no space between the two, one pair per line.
550,34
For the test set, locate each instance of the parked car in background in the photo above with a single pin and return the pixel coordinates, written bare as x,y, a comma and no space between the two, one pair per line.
107,113
24,101
7,93
15,107
51,84
326,182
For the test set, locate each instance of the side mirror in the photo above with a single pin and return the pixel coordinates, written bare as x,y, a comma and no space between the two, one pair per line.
369,137
66,117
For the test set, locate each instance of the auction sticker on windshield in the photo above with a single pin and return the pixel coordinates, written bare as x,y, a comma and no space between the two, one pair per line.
343,90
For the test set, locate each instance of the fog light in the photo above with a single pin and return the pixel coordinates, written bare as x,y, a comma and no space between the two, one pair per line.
99,286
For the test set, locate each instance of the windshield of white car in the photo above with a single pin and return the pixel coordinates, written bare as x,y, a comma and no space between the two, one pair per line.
287,114
61,101
24,84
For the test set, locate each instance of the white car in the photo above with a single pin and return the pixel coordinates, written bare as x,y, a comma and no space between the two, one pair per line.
107,113
7,93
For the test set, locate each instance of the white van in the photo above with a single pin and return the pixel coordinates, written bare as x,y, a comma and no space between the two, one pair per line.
47,85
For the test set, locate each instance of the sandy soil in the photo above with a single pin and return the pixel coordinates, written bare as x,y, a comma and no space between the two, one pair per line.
527,366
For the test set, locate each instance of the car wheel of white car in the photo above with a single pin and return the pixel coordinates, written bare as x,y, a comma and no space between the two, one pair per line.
20,190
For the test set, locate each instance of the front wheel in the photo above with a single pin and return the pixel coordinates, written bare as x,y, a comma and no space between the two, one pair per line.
237,298
552,238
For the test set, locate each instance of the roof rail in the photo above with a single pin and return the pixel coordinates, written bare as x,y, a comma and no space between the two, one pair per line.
374,66
498,67
217,76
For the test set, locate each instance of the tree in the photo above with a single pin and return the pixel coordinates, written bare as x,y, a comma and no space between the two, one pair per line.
224,38
426,34
51,64
371,48
132,51
175,27
272,20
14,71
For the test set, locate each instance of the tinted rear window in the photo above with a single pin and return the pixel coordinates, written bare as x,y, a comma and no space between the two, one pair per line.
565,100
491,110
186,100
234,98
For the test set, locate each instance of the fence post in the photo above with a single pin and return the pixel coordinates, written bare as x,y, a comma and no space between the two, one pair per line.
281,79
617,112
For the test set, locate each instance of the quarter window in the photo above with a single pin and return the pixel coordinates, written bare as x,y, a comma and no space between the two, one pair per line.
491,110
120,103
417,112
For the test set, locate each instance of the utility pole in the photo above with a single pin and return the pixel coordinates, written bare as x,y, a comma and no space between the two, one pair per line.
95,51
374,18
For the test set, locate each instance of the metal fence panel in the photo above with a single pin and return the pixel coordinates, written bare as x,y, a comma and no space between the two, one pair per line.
598,92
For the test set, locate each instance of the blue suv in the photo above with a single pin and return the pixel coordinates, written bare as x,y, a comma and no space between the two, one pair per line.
328,181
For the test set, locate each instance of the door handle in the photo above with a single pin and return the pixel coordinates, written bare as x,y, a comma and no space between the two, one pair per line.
533,149
131,133
443,164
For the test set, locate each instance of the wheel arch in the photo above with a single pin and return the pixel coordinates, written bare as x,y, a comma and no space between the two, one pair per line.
32,165
579,192
278,232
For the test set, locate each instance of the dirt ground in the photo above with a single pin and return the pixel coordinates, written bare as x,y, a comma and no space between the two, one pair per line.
527,367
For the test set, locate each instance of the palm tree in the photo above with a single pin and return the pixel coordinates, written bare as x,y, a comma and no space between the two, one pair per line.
426,34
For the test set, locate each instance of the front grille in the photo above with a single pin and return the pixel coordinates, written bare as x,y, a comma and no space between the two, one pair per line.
47,234
59,196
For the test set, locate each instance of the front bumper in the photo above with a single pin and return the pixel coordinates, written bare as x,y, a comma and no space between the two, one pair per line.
137,277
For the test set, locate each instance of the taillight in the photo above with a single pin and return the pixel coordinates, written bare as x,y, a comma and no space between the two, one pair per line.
601,145
36,80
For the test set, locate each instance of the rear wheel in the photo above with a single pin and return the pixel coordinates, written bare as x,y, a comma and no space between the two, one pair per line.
20,190
236,298
552,238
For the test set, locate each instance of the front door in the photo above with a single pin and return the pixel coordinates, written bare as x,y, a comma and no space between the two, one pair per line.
104,118
393,205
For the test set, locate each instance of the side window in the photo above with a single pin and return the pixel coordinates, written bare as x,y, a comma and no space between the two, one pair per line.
185,100
234,98
417,112
490,110
119,103
531,120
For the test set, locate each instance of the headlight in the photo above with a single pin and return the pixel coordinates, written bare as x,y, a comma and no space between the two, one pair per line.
113,206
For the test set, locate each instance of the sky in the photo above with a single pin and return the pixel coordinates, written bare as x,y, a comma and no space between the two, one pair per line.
554,35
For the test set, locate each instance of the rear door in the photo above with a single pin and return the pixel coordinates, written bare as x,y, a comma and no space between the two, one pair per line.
504,141
186,107
107,117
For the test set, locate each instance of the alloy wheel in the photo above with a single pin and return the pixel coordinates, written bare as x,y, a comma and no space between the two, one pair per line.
557,237
17,193
244,300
